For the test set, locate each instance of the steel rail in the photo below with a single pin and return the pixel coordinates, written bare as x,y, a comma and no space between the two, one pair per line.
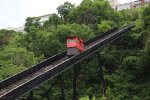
19,84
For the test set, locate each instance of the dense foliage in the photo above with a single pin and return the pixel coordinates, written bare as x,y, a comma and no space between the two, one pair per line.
125,63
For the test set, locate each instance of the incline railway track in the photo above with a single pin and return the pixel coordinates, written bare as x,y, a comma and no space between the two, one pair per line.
21,83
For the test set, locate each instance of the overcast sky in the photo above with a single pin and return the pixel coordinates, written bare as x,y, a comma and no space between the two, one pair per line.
14,12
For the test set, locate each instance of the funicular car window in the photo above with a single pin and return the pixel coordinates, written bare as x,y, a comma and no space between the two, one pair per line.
70,40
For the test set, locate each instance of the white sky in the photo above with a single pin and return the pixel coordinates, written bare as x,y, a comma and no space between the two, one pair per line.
14,12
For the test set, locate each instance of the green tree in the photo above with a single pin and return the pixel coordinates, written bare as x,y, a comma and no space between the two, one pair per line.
54,20
5,36
64,31
146,16
104,26
32,24
64,10
14,59
124,81
41,43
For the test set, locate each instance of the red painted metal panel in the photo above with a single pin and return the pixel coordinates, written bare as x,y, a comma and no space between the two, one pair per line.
74,41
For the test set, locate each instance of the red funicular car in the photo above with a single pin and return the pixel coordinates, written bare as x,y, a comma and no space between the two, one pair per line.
74,45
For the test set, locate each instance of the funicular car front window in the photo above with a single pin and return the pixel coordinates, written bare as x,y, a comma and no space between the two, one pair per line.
70,40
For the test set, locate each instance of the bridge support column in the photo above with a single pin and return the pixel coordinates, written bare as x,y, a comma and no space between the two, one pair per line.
74,94
62,88
31,95
103,86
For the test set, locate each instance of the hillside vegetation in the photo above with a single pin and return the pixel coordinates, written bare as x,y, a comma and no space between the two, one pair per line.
125,63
